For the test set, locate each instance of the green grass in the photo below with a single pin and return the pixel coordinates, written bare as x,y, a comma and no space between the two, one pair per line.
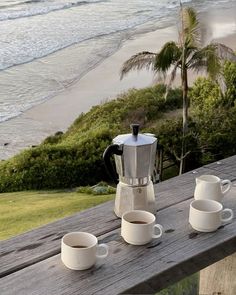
187,286
22,211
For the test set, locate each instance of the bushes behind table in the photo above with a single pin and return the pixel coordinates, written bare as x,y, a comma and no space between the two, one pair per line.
216,123
55,166
212,125
211,137
170,137
75,158
215,115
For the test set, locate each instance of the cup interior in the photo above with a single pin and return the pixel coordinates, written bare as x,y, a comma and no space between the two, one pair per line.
79,240
210,178
137,216
206,205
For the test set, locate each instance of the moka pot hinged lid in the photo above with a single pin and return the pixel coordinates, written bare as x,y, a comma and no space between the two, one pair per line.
135,138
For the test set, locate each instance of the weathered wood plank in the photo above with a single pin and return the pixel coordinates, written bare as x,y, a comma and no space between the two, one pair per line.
43,242
226,165
224,269
133,269
219,278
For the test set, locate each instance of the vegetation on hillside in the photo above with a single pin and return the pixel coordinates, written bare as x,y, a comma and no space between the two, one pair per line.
75,158
186,54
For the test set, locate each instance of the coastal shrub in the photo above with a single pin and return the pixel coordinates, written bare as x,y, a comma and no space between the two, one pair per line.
206,94
217,133
211,137
115,112
101,188
74,158
58,166
52,139
170,133
230,81
215,115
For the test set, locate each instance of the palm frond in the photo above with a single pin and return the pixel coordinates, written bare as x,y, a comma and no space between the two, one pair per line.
224,52
191,33
189,53
198,65
168,55
211,57
172,77
138,61
208,59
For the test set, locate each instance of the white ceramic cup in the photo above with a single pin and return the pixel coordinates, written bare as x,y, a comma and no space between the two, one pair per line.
210,187
207,215
79,250
138,227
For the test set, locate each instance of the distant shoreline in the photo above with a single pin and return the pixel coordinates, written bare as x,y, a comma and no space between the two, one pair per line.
98,85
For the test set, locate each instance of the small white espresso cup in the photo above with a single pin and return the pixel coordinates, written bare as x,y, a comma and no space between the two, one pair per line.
79,250
137,227
207,215
210,187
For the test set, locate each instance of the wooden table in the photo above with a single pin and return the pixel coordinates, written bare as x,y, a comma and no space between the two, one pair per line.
30,263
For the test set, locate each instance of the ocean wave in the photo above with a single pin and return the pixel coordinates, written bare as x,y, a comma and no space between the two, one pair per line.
95,33
41,54
33,10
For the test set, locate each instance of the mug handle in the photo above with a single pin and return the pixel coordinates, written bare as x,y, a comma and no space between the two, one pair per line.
160,229
228,218
226,181
102,246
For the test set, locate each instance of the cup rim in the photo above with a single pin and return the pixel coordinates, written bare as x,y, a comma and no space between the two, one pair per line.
139,211
215,179
79,233
206,201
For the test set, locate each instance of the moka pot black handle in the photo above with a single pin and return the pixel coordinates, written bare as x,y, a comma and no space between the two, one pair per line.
113,149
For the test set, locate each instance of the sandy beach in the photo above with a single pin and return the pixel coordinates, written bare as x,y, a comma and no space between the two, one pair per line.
98,85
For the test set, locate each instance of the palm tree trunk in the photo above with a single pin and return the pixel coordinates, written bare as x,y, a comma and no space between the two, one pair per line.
185,102
185,118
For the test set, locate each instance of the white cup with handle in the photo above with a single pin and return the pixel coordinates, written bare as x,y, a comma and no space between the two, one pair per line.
138,227
207,215
211,187
79,250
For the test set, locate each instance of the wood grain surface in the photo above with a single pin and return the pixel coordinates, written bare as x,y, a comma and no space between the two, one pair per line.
30,264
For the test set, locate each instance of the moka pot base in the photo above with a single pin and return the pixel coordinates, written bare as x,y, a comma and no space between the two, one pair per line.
134,198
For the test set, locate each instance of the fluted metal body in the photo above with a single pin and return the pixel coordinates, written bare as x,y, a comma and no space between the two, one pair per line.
136,164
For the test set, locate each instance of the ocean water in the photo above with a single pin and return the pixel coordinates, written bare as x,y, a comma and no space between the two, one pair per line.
46,45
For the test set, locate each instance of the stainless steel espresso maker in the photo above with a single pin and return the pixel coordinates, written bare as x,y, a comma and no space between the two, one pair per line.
134,159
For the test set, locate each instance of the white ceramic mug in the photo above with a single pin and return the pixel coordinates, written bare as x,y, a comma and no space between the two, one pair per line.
138,226
210,187
206,215
79,250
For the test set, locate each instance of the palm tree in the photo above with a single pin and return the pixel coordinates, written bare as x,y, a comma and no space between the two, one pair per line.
186,54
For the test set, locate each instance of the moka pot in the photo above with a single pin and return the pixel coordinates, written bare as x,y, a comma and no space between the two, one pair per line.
134,164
